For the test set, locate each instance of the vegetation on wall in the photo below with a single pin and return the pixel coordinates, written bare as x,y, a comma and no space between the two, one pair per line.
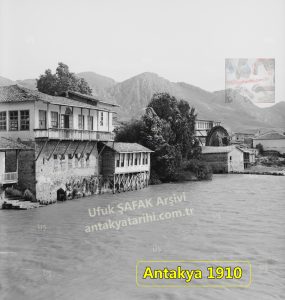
167,128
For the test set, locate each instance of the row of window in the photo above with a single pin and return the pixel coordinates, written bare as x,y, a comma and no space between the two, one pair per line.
66,120
62,163
17,120
204,125
20,120
130,159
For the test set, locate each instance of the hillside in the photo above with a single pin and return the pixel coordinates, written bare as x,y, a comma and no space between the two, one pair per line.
98,83
5,81
134,94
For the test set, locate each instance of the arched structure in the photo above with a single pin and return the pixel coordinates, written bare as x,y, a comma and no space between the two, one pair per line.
217,136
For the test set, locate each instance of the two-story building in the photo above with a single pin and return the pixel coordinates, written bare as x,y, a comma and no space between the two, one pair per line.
63,132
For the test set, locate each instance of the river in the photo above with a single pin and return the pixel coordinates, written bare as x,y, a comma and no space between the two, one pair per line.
48,253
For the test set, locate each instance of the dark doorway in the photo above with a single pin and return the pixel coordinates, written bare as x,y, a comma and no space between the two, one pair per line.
61,195
66,121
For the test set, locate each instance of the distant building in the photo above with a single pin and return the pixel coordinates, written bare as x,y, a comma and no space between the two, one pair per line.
202,129
224,159
249,155
271,141
244,138
126,165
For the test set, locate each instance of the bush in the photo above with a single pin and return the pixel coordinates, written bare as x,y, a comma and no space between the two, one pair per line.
260,149
200,168
29,196
154,178
10,191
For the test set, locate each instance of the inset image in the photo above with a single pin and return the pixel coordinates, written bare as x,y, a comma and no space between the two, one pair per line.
253,78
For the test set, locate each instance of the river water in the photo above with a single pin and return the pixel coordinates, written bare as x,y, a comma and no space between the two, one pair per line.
46,253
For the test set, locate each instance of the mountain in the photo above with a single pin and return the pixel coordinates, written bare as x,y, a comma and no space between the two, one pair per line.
5,81
28,83
98,83
134,94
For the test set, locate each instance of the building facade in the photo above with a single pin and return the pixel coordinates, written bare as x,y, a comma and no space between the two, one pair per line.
63,132
127,165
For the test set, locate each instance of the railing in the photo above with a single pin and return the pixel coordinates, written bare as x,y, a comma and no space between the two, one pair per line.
11,177
73,134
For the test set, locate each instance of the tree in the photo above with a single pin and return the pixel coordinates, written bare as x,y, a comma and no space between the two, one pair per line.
62,81
260,149
167,128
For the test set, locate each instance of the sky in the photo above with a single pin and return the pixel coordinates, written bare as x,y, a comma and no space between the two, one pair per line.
181,40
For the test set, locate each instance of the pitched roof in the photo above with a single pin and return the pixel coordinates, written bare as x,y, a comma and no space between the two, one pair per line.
8,144
221,149
16,93
270,136
90,97
127,147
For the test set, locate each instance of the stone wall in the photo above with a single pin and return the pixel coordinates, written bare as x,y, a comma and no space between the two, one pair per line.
217,161
76,168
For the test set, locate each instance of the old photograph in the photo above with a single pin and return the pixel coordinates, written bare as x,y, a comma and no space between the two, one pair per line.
142,149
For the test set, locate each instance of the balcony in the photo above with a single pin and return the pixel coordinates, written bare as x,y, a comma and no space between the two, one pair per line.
73,134
7,178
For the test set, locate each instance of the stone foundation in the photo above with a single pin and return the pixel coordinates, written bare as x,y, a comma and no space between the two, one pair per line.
71,166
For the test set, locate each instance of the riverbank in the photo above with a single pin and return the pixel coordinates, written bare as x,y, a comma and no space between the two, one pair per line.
266,170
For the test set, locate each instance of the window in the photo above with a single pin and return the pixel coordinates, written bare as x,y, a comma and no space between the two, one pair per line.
3,121
122,160
128,159
143,158
13,121
146,158
132,157
139,158
54,119
90,122
101,118
24,120
136,158
81,122
88,159
55,163
42,119
118,160
76,160
70,161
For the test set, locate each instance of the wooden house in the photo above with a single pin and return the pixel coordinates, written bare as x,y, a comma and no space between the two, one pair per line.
126,165
9,161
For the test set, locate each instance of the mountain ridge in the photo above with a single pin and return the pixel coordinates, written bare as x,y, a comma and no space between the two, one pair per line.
133,95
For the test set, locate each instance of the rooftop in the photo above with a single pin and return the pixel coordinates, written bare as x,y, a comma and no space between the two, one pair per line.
8,144
89,97
127,147
270,136
17,93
